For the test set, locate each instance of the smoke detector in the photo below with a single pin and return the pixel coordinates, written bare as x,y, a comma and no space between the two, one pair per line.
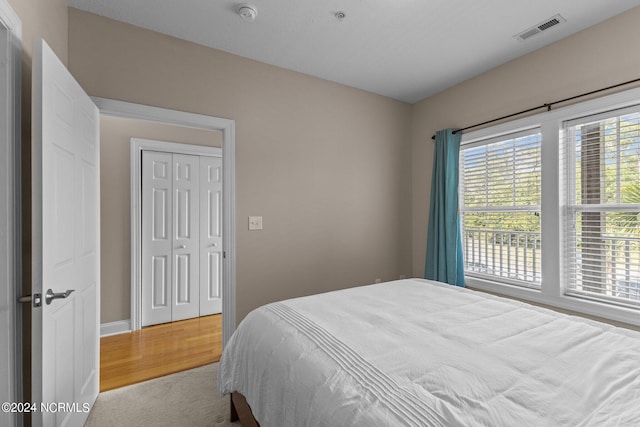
247,12
538,28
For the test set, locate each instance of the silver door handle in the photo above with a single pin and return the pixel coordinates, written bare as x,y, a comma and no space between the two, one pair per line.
182,247
213,245
50,295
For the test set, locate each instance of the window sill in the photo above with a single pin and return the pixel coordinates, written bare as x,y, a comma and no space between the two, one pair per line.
618,316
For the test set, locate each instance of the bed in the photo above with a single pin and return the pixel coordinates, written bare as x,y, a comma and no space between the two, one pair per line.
420,353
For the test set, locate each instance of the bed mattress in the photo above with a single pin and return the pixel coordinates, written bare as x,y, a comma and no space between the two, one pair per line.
419,353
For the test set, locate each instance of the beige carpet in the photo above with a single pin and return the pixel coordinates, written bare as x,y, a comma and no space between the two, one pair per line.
188,398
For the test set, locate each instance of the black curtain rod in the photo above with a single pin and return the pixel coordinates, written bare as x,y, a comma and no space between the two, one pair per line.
547,106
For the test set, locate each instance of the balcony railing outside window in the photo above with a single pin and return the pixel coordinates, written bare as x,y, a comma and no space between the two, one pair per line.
511,255
619,274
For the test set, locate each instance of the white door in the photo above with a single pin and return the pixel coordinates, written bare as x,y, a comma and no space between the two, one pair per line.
66,245
157,202
186,247
210,235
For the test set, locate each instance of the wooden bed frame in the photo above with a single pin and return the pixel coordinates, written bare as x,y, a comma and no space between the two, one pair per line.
240,410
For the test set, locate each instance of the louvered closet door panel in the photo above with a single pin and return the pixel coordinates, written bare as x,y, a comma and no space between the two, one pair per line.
186,241
210,235
157,237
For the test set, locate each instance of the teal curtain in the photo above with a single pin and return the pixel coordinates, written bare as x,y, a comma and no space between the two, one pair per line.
444,261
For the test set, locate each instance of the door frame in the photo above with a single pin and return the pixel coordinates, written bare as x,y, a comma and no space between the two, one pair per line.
11,218
138,145
131,110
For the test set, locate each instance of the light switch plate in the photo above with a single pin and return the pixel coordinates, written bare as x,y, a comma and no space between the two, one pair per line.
255,223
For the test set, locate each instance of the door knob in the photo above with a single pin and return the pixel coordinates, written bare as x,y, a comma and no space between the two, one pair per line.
182,247
50,295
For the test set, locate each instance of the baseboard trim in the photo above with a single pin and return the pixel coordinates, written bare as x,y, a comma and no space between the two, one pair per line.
115,328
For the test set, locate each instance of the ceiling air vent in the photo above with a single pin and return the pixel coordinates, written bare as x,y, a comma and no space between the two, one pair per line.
538,28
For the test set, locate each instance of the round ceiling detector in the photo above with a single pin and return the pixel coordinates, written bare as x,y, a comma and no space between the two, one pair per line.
247,12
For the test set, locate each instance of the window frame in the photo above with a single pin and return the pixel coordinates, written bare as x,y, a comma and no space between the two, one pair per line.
508,208
604,207
553,206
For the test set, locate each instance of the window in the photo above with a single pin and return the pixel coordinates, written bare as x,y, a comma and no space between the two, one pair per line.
550,207
602,243
500,208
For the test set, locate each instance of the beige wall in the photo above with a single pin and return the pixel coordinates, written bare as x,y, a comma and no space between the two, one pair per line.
115,193
45,19
597,57
324,164
341,176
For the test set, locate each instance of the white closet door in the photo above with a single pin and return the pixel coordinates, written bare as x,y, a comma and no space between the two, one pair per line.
210,235
186,240
157,237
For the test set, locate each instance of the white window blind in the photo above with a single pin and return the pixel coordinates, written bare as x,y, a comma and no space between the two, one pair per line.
602,216
500,208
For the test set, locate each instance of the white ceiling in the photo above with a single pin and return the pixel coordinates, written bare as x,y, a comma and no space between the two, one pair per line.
403,49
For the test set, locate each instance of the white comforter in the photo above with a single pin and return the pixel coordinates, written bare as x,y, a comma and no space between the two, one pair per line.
418,353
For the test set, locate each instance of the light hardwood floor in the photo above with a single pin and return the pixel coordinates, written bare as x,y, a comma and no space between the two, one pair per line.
159,350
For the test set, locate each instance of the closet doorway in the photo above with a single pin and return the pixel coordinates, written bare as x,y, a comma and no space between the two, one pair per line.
180,211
